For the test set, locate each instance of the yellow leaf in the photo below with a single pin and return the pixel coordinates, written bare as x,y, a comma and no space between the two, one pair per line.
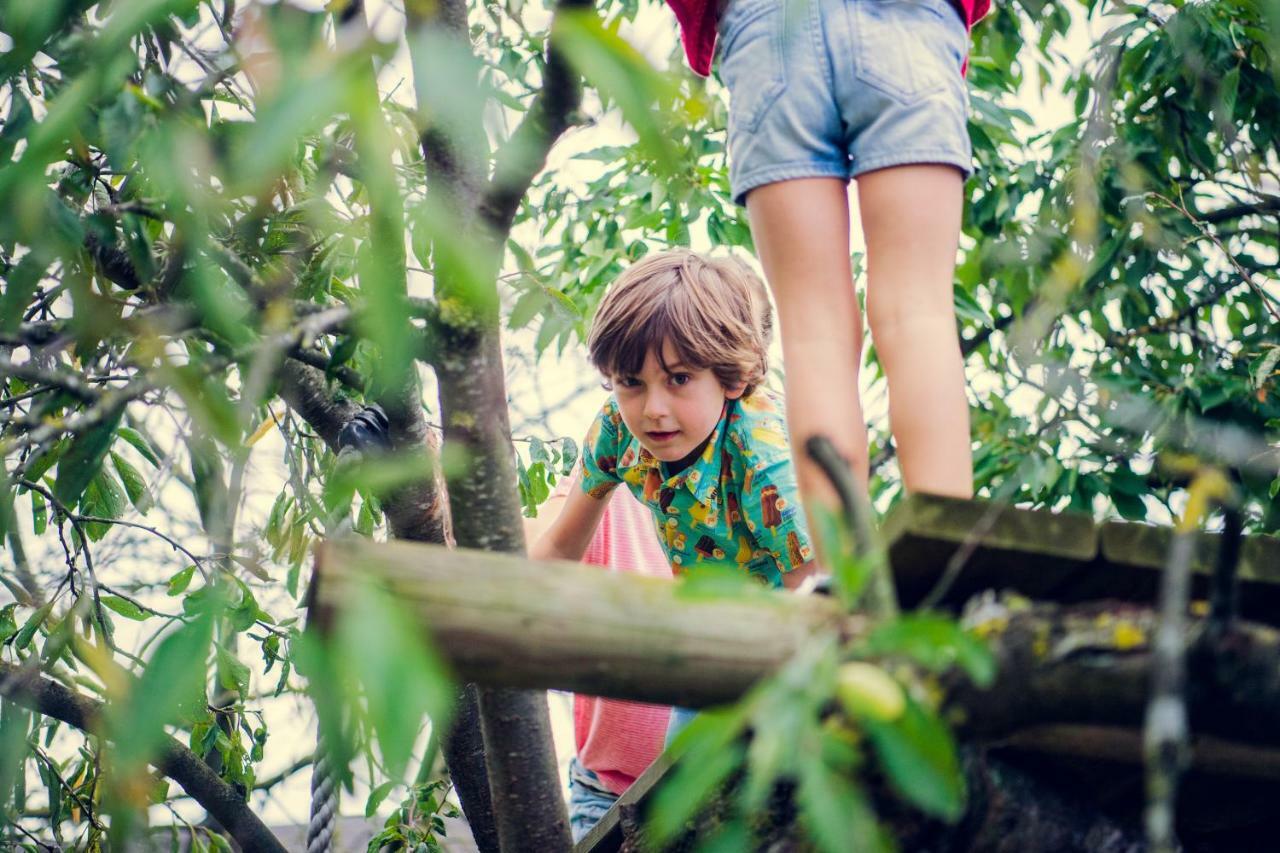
263,428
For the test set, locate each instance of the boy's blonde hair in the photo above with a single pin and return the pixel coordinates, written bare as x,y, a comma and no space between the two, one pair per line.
714,311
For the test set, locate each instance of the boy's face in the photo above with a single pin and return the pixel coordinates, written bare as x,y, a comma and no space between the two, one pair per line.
672,411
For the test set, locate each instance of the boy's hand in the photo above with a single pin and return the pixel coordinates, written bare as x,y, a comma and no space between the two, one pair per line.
795,578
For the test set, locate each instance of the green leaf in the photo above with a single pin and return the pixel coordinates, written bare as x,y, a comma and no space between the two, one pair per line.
21,283
1129,506
401,675
376,796
39,513
919,758
623,76
232,674
103,499
29,628
134,485
710,749
568,456
15,723
1263,368
140,444
531,303
83,459
836,813
170,689
244,613
8,622
937,643
42,461
178,583
124,607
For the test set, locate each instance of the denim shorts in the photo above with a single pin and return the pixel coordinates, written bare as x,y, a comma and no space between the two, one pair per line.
589,800
837,88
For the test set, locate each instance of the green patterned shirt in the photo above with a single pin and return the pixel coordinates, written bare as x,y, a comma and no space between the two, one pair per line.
737,505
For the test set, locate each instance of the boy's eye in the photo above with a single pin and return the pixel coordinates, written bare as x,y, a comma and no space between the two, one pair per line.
628,381
680,378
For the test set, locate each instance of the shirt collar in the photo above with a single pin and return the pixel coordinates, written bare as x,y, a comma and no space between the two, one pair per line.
702,478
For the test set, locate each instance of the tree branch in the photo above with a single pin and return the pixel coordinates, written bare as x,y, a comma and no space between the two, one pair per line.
524,155
32,690
306,390
1269,204
508,621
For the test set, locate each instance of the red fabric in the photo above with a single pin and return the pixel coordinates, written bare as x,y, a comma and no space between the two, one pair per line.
618,740
697,19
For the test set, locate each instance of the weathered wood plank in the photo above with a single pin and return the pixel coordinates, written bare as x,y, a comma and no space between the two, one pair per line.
1062,557
1001,547
518,623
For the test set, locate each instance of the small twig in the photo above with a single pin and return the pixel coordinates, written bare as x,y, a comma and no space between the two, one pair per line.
43,845
32,373
87,419
53,768
198,562
1224,590
1165,737
881,598
78,526
1244,274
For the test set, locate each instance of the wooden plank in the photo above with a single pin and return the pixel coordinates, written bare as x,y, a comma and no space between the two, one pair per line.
1210,755
998,546
1132,556
607,836
1062,557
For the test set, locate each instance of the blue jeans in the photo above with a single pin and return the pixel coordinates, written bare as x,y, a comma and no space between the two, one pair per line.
680,717
589,799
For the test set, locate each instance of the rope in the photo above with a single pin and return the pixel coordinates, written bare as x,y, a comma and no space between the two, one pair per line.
324,802
368,429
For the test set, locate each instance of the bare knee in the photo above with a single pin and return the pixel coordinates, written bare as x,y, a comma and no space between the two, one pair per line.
896,321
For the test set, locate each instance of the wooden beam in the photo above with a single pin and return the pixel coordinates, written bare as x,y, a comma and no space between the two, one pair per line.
505,620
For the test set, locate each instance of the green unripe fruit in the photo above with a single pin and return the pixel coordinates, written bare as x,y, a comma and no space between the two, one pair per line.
867,691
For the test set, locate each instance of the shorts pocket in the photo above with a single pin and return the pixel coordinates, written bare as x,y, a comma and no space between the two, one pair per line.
908,49
751,59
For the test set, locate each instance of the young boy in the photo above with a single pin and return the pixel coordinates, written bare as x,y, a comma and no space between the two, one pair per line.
682,342
615,740
822,91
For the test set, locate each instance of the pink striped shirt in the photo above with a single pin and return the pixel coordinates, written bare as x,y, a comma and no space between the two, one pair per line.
616,739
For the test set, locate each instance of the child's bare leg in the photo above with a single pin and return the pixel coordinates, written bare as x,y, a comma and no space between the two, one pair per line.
911,218
801,230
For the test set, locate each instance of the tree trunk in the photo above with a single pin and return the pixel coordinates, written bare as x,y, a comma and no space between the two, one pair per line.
523,780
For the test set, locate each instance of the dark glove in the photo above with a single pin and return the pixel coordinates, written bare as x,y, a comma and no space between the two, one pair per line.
368,430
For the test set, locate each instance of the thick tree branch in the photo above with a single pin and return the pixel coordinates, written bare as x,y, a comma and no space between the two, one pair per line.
524,155
306,390
507,621
32,690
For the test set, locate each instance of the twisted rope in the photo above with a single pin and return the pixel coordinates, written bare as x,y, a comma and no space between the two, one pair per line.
324,802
